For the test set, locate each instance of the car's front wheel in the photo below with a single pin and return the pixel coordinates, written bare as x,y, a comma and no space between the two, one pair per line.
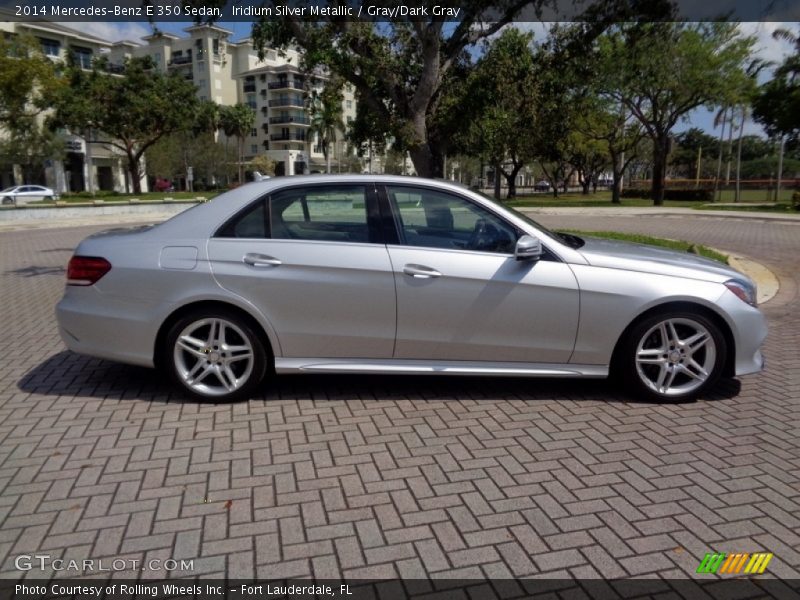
215,355
672,357
7,200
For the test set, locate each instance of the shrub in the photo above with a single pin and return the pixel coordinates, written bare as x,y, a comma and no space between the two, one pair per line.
688,195
796,200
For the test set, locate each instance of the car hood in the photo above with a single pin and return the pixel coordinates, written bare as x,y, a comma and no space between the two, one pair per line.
614,254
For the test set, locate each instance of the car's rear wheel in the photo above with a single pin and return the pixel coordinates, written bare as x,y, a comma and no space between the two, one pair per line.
215,355
672,357
7,200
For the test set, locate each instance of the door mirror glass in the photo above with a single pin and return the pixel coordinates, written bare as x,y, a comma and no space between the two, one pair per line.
528,248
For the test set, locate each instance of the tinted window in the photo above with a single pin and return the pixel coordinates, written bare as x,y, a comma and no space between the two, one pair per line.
434,219
324,213
249,224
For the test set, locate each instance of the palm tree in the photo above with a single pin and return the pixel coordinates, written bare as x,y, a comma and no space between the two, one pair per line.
237,121
325,110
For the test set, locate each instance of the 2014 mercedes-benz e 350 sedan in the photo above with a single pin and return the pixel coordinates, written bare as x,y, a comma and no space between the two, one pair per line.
381,274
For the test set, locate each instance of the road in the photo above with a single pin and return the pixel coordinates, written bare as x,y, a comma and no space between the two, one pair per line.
375,477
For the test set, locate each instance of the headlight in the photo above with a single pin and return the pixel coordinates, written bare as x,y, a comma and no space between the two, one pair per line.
743,289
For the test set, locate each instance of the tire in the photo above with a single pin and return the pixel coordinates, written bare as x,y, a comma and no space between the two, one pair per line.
7,200
215,354
671,357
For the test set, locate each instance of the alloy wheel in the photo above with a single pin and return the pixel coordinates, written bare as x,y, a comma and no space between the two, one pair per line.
213,357
676,356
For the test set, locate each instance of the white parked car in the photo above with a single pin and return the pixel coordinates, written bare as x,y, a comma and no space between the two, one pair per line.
22,194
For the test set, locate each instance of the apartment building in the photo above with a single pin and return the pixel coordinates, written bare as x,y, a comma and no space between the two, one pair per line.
104,164
229,72
225,71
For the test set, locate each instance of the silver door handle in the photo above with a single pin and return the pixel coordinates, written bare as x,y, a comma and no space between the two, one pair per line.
261,260
421,271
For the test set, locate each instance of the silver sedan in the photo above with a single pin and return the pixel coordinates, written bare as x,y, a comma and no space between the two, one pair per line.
381,274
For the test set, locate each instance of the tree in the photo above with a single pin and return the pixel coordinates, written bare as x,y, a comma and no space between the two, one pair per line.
28,81
688,146
502,94
325,110
777,104
662,71
397,67
237,121
131,111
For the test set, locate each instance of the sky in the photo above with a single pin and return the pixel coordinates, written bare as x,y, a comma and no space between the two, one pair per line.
766,48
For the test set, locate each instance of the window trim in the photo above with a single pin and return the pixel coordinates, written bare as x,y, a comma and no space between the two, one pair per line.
392,222
375,231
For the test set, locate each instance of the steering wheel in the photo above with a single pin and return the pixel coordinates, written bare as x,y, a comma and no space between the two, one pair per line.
483,237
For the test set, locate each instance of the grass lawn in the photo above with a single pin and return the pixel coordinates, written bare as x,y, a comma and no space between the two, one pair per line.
83,198
678,245
603,199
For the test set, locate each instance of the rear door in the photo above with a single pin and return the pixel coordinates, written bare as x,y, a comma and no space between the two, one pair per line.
312,259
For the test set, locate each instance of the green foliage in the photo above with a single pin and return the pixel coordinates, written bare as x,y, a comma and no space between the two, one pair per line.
130,112
237,121
325,111
397,67
662,71
702,194
28,81
263,164
505,97
777,105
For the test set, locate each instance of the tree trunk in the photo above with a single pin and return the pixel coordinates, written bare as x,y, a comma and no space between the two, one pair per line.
497,181
241,160
660,151
133,169
428,161
511,180
328,158
585,183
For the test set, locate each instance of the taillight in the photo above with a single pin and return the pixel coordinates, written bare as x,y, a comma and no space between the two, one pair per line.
86,270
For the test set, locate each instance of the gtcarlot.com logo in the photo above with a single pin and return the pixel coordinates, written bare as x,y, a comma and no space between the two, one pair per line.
45,562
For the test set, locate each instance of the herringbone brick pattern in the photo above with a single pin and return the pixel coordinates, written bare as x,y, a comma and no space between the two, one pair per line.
393,476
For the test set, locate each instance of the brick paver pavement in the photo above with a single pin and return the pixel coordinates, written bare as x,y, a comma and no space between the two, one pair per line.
332,476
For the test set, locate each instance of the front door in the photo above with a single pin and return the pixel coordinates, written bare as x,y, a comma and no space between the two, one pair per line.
462,295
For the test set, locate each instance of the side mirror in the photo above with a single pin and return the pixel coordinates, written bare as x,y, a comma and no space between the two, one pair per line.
528,248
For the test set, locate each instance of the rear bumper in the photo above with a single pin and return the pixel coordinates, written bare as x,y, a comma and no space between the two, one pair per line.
104,330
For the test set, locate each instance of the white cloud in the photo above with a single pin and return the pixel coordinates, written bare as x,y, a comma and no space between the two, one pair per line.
766,47
113,32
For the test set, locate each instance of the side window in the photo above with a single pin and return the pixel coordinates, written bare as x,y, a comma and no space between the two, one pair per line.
322,213
434,219
251,223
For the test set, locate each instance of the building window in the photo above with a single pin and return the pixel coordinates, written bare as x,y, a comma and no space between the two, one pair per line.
157,58
201,83
349,104
254,149
253,132
51,47
83,56
349,119
250,100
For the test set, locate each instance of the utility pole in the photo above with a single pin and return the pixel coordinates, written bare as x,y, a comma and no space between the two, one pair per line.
780,171
697,171
737,198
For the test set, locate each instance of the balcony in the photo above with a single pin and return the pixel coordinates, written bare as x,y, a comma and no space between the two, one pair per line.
249,88
296,120
285,84
296,101
288,137
180,60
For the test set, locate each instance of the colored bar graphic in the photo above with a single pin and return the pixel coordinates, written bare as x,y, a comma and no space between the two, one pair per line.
732,564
